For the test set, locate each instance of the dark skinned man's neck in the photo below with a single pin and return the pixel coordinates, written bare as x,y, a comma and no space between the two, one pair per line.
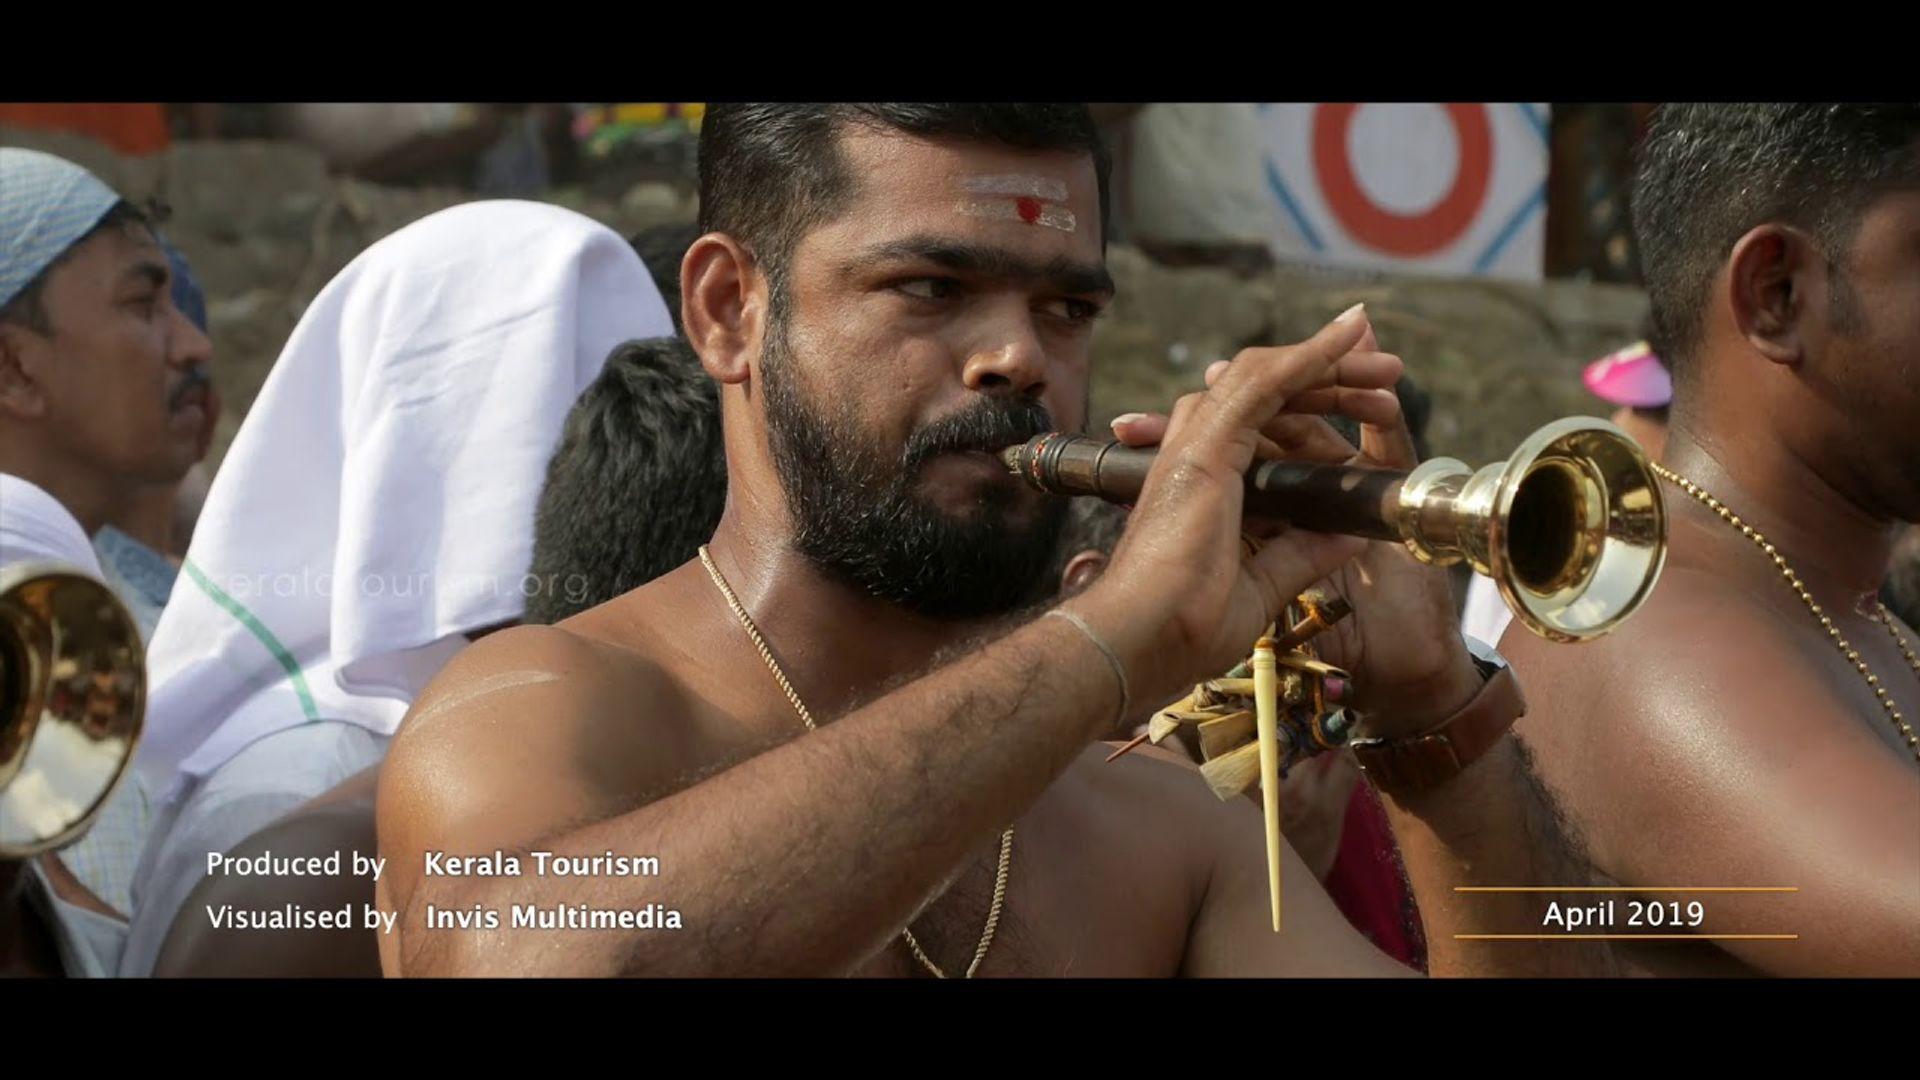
1839,547
837,645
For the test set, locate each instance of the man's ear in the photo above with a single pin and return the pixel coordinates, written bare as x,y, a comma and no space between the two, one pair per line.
1772,273
21,395
723,305
1082,570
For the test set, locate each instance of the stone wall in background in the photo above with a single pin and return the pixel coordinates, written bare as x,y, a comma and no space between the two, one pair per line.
1499,359
265,228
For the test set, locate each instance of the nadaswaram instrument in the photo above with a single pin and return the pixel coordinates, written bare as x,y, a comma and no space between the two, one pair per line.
72,700
1571,528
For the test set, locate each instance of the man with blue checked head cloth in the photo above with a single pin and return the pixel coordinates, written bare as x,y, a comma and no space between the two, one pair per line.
102,398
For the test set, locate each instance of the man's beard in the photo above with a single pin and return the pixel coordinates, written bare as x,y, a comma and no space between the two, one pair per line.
857,516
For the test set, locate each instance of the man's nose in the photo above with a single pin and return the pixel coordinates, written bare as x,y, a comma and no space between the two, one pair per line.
1014,364
187,344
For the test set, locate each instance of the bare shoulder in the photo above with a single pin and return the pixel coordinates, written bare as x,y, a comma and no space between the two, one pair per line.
1153,807
1669,717
1697,650
574,727
1147,782
542,692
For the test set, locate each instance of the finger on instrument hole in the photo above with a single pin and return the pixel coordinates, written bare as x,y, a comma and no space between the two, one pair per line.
1308,438
1140,429
1252,390
1362,406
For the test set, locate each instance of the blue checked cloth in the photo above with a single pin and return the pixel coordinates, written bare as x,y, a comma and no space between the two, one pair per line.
46,203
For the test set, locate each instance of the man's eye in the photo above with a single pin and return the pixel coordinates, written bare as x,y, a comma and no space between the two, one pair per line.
930,288
1073,310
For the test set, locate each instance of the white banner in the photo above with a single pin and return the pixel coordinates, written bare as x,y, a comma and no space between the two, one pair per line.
1426,188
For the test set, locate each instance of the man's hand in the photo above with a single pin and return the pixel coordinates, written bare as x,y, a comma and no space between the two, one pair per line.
1491,825
1403,633
1313,807
1410,667
1181,599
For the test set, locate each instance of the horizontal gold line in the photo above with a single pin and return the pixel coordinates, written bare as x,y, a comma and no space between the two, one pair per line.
1626,937
1626,888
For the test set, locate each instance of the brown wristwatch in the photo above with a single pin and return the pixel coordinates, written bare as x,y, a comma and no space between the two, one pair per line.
1418,762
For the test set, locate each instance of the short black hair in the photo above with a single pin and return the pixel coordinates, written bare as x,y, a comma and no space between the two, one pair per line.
769,173
662,248
637,484
1709,173
28,307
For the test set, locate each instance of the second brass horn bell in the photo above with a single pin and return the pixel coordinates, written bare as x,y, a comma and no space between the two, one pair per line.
1571,526
72,700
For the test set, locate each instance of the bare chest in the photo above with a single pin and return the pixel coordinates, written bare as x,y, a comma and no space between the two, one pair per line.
1894,687
1076,905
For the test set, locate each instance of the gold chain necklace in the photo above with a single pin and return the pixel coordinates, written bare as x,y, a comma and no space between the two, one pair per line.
800,707
1840,642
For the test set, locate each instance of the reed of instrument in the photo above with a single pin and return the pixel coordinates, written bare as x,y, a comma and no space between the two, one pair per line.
72,700
1571,526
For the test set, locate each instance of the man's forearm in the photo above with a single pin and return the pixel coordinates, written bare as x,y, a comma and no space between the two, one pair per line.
809,858
1493,825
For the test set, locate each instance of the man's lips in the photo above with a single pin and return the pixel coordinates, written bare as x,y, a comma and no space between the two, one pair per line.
193,390
967,466
971,454
192,395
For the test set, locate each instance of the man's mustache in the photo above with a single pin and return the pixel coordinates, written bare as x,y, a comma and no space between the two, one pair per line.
195,378
988,427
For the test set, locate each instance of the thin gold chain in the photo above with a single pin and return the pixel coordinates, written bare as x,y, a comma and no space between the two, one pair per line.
800,707
1826,621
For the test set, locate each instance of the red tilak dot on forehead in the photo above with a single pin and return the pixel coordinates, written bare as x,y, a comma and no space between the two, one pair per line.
1029,208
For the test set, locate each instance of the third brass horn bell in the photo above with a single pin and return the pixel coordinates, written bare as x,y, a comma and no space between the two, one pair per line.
72,699
1571,526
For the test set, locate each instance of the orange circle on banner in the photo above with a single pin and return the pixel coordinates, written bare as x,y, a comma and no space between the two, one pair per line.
1386,230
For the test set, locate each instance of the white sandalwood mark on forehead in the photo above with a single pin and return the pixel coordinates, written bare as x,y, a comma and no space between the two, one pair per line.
1030,200
1054,217
1013,184
492,684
